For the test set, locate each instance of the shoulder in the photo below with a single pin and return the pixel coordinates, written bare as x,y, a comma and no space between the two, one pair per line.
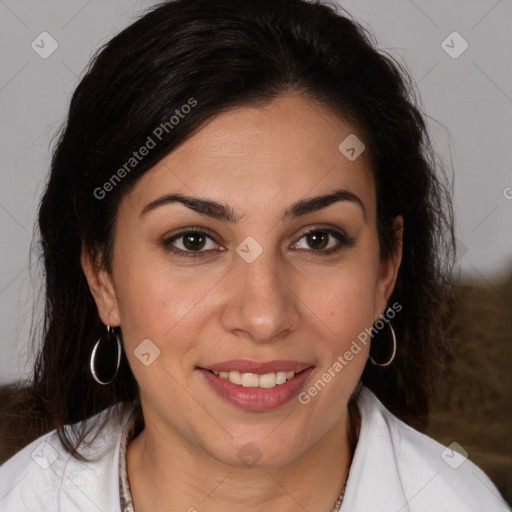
45,477
408,470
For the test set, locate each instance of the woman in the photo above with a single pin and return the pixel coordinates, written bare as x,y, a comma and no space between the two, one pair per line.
243,235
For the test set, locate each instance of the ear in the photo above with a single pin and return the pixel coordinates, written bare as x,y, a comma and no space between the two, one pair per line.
388,269
101,287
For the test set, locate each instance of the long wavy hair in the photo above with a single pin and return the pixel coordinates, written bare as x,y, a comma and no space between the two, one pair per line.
225,54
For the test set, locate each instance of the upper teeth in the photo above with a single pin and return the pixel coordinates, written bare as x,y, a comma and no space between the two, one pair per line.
253,380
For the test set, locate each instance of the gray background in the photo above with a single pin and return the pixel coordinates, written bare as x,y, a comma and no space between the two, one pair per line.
468,99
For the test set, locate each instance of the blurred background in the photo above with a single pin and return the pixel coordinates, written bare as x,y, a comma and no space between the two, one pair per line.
459,55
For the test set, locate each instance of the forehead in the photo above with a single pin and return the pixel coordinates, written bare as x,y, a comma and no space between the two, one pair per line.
264,157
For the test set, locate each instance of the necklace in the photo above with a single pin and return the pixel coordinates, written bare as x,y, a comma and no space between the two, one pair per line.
336,507
353,436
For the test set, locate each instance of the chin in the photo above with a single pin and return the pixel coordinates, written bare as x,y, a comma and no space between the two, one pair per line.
259,451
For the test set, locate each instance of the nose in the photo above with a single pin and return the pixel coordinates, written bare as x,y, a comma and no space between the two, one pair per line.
261,304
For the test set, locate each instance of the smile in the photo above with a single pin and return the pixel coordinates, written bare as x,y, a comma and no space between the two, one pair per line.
253,380
256,386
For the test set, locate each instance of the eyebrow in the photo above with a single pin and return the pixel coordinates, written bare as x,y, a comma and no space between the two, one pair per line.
226,213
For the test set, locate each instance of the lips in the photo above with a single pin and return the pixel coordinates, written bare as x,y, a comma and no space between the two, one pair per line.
254,385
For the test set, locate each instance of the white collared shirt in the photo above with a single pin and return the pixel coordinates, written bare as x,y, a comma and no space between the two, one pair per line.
394,469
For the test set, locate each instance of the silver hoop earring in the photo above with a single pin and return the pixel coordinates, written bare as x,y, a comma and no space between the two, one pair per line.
393,353
101,357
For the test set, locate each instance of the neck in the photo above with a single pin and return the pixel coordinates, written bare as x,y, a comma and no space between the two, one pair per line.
174,475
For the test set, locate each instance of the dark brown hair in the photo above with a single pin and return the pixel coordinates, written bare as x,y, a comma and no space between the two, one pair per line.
224,54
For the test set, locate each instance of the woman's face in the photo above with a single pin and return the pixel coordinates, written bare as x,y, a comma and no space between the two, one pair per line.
271,280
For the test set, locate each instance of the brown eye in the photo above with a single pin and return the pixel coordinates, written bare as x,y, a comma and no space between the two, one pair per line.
323,241
191,243
194,241
318,240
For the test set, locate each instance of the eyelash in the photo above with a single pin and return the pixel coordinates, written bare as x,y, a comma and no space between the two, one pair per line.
344,240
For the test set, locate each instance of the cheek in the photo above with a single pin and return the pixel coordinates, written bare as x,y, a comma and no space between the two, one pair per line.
343,297
162,302
341,308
